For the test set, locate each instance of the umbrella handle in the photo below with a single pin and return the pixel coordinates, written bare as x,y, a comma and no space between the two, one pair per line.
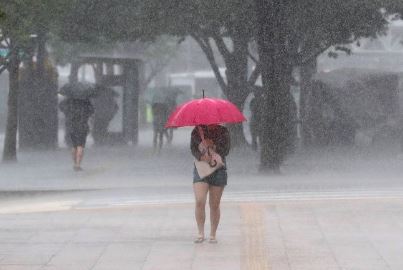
213,163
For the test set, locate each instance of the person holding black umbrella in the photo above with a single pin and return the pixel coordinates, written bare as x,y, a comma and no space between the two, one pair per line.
77,110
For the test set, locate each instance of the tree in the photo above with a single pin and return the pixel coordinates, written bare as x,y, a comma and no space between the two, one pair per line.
23,21
289,34
293,34
157,55
38,123
13,39
10,140
229,25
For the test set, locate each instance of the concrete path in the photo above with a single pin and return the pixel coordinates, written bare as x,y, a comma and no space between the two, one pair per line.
133,209
300,235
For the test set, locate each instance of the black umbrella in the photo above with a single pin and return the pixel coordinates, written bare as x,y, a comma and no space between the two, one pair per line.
102,90
78,90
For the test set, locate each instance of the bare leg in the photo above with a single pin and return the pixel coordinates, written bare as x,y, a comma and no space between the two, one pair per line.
166,133
73,154
214,201
200,190
161,140
79,152
171,135
155,135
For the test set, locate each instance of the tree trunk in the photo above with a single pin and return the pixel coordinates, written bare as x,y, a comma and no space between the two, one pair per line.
276,74
26,99
47,87
237,85
236,130
10,141
236,89
307,71
38,122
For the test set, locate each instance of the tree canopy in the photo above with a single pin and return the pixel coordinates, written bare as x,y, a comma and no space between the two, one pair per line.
296,32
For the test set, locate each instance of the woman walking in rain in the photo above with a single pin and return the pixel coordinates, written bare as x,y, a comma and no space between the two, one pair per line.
209,144
77,112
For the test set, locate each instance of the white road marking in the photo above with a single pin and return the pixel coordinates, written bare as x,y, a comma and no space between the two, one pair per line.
250,196
46,205
20,207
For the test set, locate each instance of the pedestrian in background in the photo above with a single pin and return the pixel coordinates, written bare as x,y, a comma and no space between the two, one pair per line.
77,113
160,115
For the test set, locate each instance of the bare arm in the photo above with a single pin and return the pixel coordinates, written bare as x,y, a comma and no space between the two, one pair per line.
223,143
194,144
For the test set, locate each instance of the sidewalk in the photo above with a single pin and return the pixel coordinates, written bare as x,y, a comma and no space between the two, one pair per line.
358,234
326,212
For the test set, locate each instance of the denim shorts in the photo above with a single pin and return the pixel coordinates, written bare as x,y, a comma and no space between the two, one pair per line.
217,178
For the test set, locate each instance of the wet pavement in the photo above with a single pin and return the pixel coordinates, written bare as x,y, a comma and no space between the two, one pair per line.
133,209
322,234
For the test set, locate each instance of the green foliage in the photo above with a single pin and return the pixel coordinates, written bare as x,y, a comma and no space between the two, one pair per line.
309,27
180,17
128,20
320,24
65,52
23,18
15,21
88,21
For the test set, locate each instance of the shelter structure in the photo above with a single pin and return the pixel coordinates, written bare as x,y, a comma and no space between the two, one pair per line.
122,75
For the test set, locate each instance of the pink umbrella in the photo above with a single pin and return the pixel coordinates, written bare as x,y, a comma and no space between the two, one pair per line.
204,111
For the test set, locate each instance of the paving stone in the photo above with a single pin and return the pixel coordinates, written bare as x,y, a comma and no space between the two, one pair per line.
20,267
287,235
13,236
78,256
53,236
24,253
217,263
167,255
133,253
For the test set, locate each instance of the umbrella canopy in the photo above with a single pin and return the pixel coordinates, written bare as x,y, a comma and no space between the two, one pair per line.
78,90
205,111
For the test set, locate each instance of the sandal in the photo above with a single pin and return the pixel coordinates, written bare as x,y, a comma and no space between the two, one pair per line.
212,240
199,240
